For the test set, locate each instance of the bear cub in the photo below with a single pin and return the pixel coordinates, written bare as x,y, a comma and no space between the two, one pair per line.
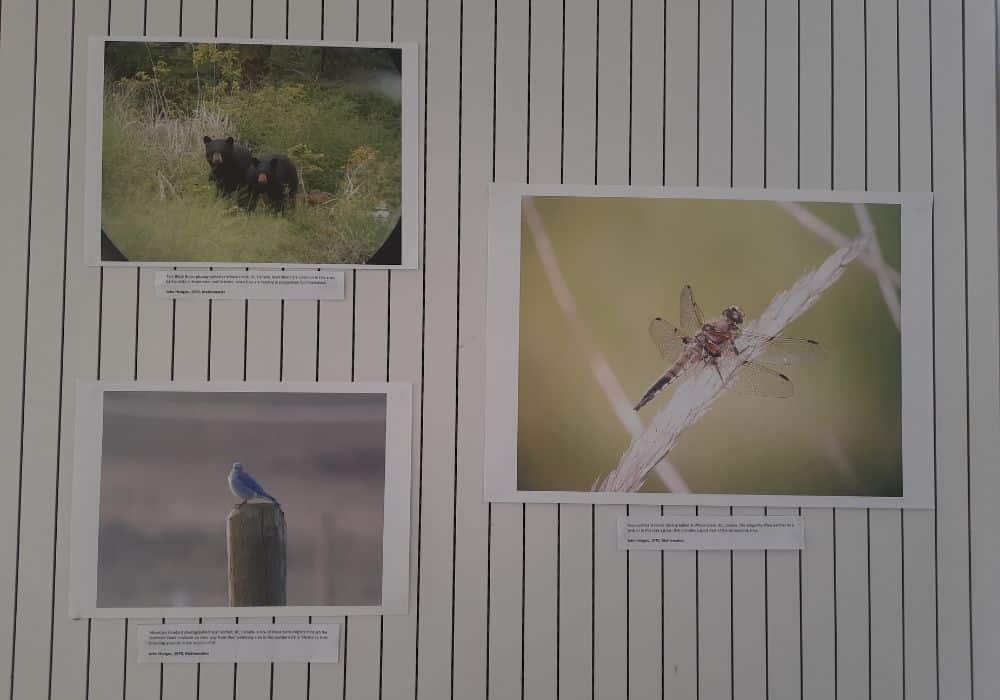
229,162
275,177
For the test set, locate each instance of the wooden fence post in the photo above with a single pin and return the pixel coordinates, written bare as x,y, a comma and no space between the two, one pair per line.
257,555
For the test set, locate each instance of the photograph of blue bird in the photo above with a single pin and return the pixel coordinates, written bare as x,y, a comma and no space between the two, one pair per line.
322,529
246,487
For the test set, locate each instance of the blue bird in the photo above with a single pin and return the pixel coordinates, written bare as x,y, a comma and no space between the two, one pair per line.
246,487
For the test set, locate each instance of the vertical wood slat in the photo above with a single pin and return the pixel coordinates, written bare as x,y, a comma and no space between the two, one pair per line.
644,571
165,17
313,331
818,621
680,168
159,324
399,633
154,340
228,326
263,361
119,336
851,526
17,40
541,521
226,361
748,584
69,662
335,346
298,364
714,169
299,360
507,520
339,22
436,593
783,653
885,526
950,339
610,564
335,338
371,311
189,361
576,588
472,521
918,529
981,58
117,362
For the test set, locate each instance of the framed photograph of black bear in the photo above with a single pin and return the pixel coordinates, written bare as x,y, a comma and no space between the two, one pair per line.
248,153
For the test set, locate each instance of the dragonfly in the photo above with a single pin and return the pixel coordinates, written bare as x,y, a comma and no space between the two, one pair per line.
697,342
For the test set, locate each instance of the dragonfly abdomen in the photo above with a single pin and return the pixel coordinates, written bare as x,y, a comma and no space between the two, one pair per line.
690,353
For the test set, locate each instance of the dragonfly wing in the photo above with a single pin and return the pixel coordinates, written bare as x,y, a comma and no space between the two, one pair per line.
753,379
691,317
668,338
781,351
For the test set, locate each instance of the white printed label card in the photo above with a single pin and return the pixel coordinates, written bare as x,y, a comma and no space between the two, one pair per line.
711,532
226,643
250,284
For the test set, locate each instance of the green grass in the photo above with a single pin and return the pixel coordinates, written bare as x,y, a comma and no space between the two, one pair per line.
158,203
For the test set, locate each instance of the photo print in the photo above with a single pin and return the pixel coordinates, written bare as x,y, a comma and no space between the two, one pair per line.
251,153
709,347
214,497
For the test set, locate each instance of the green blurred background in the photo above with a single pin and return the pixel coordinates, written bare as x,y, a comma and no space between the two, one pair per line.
625,261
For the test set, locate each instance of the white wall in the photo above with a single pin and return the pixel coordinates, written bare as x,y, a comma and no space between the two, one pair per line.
535,600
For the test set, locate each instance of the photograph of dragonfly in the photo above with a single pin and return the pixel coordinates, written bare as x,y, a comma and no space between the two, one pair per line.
701,346
699,343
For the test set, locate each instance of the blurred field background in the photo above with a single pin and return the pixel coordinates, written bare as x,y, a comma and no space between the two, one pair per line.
625,261
336,112
165,495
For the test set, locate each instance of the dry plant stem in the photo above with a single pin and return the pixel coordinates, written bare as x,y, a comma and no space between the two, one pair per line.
693,398
599,366
836,238
889,280
883,273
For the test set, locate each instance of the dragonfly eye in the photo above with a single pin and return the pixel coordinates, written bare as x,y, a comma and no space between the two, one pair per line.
733,314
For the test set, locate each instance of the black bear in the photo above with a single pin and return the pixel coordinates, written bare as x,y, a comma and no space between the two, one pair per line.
275,176
229,162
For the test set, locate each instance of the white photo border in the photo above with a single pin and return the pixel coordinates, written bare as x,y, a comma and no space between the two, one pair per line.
502,347
87,495
410,181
